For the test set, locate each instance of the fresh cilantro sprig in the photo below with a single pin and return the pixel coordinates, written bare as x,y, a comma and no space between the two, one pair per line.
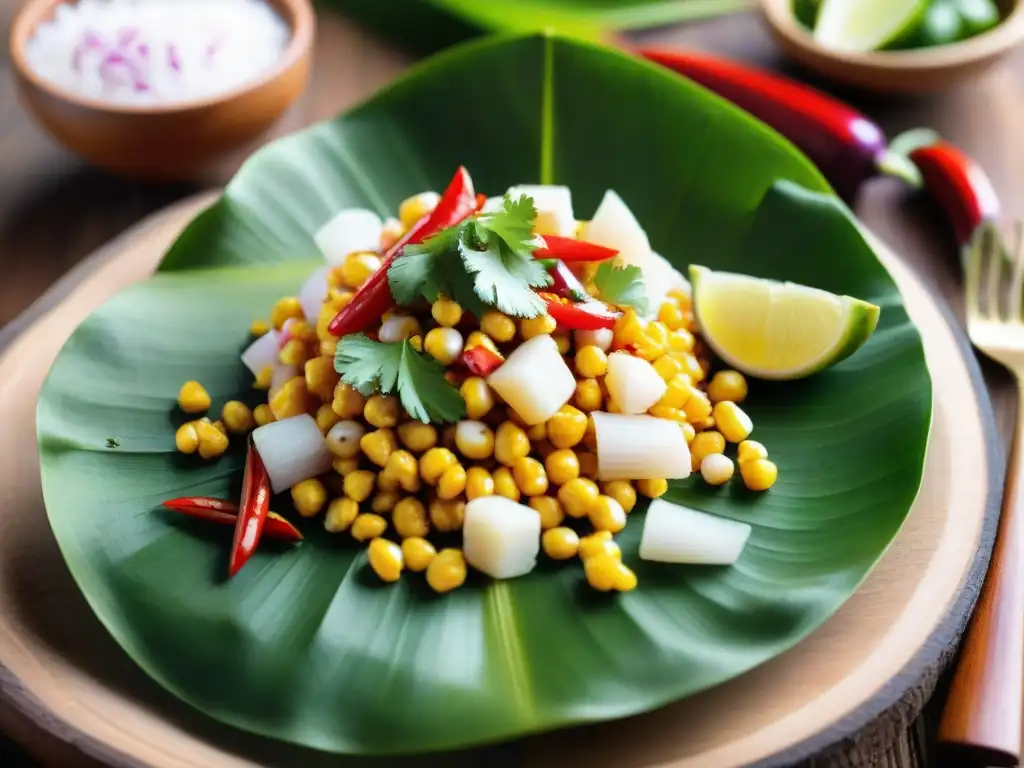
372,366
486,261
622,285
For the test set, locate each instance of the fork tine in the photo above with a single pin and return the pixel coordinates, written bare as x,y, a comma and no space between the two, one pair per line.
1016,297
972,274
994,254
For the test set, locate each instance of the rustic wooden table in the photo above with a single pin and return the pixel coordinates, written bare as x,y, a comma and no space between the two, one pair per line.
55,210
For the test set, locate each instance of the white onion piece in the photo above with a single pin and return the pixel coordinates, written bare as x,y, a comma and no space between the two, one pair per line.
285,334
639,448
615,226
493,204
313,294
352,230
281,374
660,277
534,380
554,208
292,450
601,338
677,534
633,383
501,537
262,352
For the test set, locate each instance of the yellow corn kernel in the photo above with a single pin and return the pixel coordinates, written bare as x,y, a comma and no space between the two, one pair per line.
193,398
417,436
652,489
708,423
221,427
588,395
284,310
667,367
478,483
323,320
263,414
387,482
378,445
727,386
212,442
448,437
384,502
510,443
368,526
588,464
435,463
447,515
452,483
414,208
759,474
186,439
326,417
536,326
335,278
623,492
550,511
537,432
625,578
403,469
689,432
291,399
259,327
447,570
530,476
664,412
602,572
359,484
390,233
567,427
716,469
474,439
672,316
577,496
321,378
681,340
732,421
498,326
599,543
348,402
309,497
345,467
692,367
386,559
263,377
704,444
446,312
505,484
563,342
478,396
750,450
381,410
697,407
606,514
418,553
294,352
681,296
562,466
358,267
237,417
409,517
560,543
591,362
341,513
416,342
678,392
443,344
628,329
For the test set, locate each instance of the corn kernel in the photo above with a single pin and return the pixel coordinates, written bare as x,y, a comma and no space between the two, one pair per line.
550,511
381,410
591,362
664,412
259,328
537,432
716,469
652,489
563,342
588,464
309,497
562,466
348,402
443,344
414,208
384,502
193,398
588,395
447,515
341,513
606,514
212,442
478,396
750,450
447,570
368,526
478,483
681,340
567,427
667,367
625,579
417,436
599,543
560,543
378,445
498,326
326,417
398,328
732,422
284,310
697,407
447,313
510,443
530,476
390,233
727,386
418,553
759,474
359,484
601,572
410,518
186,439
403,470
263,378
577,496
704,444
623,492
293,353
345,467
416,342
505,484
358,267
692,367
291,399
321,378
536,326
689,432
474,439
263,414
672,316
452,483
386,559
435,463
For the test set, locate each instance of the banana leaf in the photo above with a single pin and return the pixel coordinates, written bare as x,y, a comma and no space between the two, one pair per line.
305,644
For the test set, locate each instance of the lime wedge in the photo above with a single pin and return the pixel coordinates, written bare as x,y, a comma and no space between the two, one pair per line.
775,330
866,25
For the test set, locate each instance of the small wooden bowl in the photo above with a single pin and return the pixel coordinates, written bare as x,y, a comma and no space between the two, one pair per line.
918,71
164,142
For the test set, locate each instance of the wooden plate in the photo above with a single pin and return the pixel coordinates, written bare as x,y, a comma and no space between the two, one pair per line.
73,697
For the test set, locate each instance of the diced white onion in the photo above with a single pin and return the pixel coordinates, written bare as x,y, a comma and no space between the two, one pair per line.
292,450
398,328
343,439
660,277
633,383
554,208
352,230
313,293
493,204
281,374
677,534
601,338
262,352
640,448
501,537
534,380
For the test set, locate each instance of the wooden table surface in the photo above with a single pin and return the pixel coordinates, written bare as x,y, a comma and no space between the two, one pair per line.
55,210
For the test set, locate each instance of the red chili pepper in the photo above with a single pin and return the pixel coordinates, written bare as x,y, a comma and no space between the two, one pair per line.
959,185
589,315
373,299
226,513
481,201
570,249
845,145
253,509
480,361
565,284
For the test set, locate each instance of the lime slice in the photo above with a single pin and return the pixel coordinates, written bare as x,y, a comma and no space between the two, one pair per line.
775,330
866,25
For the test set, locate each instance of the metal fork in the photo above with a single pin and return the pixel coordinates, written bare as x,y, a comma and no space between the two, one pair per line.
983,711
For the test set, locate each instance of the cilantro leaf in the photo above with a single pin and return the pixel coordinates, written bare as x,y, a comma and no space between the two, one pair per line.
504,280
372,366
512,223
622,285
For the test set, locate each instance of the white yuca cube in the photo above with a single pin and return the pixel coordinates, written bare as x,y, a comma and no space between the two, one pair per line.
534,380
351,231
292,450
501,537
640,448
554,208
633,383
313,293
615,226
676,534
262,353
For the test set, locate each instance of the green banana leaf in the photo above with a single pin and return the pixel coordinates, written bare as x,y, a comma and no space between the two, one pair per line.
305,644
426,26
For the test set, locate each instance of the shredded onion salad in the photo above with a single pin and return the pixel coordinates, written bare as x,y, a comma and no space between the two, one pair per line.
157,51
481,381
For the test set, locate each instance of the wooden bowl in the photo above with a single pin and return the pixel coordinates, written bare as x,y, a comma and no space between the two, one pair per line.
917,71
164,142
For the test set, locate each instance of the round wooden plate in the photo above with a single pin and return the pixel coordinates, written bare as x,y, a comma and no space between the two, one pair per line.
74,698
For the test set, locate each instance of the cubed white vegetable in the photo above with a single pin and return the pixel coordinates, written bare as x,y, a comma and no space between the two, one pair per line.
501,537
492,204
352,230
281,374
633,383
534,380
677,534
262,352
313,293
554,208
640,448
292,450
660,277
601,338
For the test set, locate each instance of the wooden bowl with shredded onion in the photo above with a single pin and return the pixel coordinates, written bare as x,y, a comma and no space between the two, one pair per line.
171,141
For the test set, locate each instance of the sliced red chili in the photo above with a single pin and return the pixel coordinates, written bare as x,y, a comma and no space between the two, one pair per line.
226,513
570,249
481,361
590,315
565,284
373,299
253,509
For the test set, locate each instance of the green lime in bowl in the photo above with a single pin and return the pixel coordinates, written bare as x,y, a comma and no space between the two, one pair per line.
306,644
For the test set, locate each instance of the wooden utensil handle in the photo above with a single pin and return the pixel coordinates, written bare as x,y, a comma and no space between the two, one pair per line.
983,712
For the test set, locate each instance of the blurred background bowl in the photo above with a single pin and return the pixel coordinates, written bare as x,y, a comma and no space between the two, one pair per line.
172,142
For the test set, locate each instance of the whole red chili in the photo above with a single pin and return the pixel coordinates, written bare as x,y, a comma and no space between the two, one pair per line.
959,185
252,510
570,249
226,513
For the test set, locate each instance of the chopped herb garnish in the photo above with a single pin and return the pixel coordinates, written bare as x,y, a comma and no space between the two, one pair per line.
486,261
372,366
623,286
113,442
